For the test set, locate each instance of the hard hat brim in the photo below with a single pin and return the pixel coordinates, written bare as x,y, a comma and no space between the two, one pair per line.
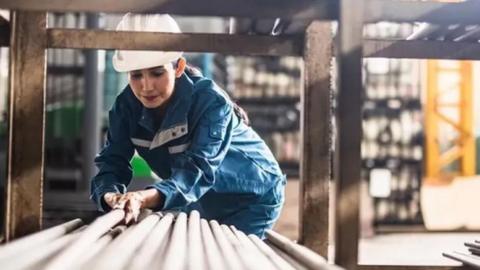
124,61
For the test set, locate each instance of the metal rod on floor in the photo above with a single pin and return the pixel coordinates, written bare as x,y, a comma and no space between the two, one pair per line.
286,256
213,254
152,244
261,261
95,249
231,258
99,227
30,258
243,253
176,251
36,239
120,251
279,262
195,247
303,255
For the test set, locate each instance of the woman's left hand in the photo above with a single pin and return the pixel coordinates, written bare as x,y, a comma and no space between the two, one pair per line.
133,202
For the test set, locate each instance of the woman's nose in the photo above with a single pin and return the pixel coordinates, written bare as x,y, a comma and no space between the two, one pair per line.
147,84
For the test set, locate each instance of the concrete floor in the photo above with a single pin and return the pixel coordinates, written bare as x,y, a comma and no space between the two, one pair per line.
385,249
413,248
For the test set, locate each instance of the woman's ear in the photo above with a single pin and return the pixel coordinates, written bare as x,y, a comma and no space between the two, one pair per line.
181,64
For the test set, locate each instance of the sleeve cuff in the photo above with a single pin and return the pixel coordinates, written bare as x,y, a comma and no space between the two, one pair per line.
169,194
97,195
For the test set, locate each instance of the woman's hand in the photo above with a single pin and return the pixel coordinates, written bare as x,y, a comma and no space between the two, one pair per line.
133,202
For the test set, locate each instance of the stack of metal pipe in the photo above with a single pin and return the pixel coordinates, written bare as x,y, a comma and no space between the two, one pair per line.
159,240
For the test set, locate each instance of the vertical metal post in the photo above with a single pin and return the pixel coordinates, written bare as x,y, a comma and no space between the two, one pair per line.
349,122
316,133
93,106
24,187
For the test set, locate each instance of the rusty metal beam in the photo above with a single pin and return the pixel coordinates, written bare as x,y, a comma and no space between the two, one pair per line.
24,187
253,45
299,9
421,49
422,11
316,132
349,132
377,10
220,43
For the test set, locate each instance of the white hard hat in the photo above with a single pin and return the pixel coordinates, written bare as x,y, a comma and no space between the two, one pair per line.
127,60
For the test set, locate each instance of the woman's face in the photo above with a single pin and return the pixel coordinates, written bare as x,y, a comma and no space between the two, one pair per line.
154,86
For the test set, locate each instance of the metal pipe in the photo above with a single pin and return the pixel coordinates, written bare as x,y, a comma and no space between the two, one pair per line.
28,259
286,257
195,247
213,255
279,262
175,256
304,255
254,253
99,227
97,247
36,239
243,253
231,258
120,251
152,244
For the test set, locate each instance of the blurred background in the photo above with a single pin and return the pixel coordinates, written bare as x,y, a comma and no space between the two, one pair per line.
418,148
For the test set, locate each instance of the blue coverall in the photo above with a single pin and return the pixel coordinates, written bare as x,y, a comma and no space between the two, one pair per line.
208,158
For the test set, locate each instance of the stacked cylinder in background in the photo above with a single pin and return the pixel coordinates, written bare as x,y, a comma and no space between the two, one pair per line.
392,145
269,89
160,241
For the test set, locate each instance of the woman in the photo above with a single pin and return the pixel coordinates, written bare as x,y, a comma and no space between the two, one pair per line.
191,135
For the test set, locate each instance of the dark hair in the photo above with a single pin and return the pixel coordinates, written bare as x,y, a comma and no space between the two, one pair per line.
239,111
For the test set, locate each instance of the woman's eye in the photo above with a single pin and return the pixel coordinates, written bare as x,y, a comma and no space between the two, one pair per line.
136,76
157,73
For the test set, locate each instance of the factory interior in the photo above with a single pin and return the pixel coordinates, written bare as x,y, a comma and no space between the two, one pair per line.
368,106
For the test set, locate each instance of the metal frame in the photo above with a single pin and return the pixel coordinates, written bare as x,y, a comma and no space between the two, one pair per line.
375,10
316,130
25,167
349,55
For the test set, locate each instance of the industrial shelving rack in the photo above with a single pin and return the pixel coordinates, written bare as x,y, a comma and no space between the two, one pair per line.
268,88
30,38
392,143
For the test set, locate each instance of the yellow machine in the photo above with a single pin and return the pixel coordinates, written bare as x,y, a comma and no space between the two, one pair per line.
449,128
450,187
